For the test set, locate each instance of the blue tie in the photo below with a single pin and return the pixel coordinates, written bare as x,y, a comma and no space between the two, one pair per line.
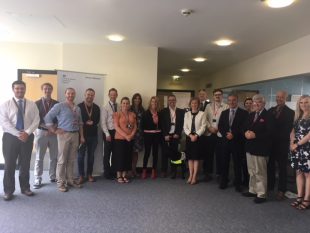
20,117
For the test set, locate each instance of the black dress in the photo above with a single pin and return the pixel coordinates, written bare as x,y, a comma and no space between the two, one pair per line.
193,149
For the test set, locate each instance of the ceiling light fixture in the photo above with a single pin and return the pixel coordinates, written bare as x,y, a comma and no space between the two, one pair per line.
176,77
223,42
278,3
185,70
115,37
199,59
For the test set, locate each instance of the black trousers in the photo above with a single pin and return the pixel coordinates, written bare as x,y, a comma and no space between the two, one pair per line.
170,151
214,148
279,157
231,149
151,142
122,153
14,149
107,155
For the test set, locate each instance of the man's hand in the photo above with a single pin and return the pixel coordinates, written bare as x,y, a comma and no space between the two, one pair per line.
23,136
108,138
167,138
229,136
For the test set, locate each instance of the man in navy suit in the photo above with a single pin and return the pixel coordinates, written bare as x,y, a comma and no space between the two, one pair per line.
258,132
283,118
230,127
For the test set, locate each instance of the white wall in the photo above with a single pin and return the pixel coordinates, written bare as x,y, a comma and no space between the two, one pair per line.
129,69
290,59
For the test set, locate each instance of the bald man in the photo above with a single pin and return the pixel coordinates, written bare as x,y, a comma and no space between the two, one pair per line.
283,118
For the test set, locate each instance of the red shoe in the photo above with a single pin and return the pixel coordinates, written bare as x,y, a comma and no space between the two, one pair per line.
154,174
144,175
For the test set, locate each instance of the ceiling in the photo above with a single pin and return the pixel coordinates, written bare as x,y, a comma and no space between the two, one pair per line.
254,27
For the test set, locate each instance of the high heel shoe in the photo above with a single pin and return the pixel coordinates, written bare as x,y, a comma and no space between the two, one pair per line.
154,174
144,175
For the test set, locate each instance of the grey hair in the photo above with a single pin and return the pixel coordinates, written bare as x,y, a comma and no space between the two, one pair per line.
259,97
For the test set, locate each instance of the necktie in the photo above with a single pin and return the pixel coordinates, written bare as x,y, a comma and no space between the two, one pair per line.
201,106
115,107
231,117
256,116
20,117
193,127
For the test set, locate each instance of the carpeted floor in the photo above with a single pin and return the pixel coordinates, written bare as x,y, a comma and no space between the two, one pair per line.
156,206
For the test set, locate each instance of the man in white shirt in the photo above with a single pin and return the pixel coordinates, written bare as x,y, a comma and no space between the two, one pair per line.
213,112
19,118
108,129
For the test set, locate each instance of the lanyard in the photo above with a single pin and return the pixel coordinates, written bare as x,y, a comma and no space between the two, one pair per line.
215,112
89,113
46,110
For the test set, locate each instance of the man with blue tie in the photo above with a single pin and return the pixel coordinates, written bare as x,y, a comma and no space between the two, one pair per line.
19,118
230,127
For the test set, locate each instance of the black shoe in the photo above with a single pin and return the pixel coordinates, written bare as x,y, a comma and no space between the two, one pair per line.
208,178
248,194
8,196
53,180
259,200
238,189
173,176
223,186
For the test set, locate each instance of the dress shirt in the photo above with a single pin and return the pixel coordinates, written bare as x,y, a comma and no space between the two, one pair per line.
200,123
214,113
173,117
107,118
8,116
68,119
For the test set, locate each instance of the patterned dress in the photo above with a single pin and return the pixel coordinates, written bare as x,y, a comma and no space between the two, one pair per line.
300,159
138,139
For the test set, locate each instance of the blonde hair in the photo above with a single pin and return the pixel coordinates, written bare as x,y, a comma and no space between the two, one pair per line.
157,102
298,112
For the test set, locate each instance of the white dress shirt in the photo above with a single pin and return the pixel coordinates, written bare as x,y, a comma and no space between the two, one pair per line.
213,113
8,116
107,118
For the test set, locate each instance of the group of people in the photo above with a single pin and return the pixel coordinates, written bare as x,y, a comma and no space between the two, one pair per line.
257,140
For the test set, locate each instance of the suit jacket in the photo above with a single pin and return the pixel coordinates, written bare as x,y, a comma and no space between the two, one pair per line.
200,123
43,111
236,127
147,121
166,121
282,125
203,107
263,128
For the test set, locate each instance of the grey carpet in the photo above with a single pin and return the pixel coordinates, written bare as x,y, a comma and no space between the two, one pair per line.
156,206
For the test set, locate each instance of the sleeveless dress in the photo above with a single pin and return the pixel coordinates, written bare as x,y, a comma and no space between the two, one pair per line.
300,159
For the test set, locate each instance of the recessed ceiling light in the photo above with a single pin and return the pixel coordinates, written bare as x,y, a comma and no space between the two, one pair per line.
223,42
278,3
176,77
185,70
115,37
199,59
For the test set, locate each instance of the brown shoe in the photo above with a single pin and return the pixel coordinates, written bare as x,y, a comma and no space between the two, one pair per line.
8,196
280,196
81,180
74,184
154,174
91,179
62,188
144,174
28,193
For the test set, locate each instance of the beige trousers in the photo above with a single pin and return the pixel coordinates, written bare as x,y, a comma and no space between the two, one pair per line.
257,168
68,144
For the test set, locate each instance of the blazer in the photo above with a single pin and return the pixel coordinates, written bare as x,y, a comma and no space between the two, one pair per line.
236,127
166,121
203,107
147,121
200,123
282,125
263,128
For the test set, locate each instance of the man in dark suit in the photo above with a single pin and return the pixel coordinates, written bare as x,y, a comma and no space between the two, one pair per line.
283,118
202,95
230,127
172,126
258,131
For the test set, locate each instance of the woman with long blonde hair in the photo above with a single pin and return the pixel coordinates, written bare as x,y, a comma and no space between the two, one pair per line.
300,152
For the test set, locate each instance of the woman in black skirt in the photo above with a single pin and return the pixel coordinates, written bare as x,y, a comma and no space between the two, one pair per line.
195,123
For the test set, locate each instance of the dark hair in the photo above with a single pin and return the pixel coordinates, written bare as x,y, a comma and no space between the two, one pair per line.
171,95
193,99
112,89
46,84
234,94
246,99
90,89
132,101
69,88
202,90
217,90
18,82
125,98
